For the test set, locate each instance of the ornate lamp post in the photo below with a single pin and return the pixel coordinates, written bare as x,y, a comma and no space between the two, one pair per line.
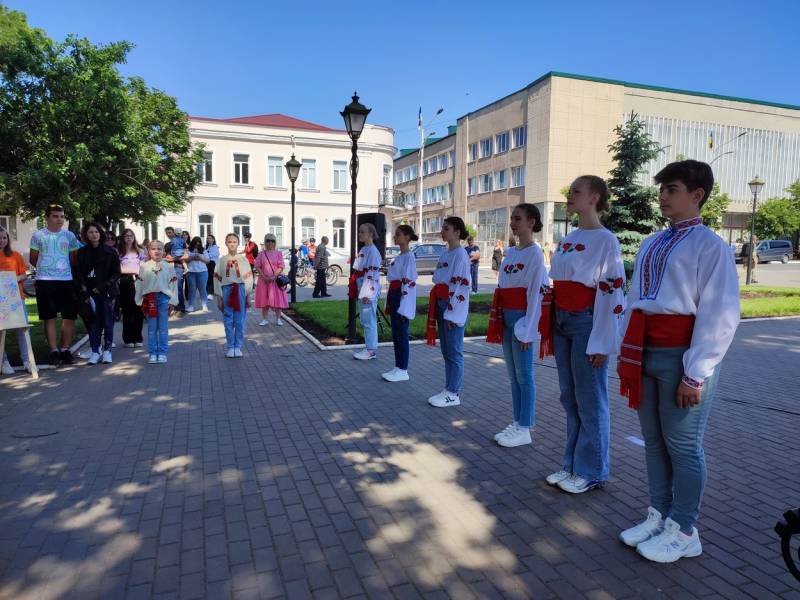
755,186
355,116
293,169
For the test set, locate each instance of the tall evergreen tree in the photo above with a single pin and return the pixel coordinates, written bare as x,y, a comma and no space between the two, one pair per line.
633,214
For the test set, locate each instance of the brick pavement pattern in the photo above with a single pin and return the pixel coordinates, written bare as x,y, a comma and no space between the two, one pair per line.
295,473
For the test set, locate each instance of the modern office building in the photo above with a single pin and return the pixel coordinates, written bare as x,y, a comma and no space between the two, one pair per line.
529,145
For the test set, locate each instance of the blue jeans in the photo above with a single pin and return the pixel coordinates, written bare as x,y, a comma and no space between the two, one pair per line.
673,437
452,344
234,320
369,322
197,284
584,396
158,327
519,363
473,273
179,273
103,323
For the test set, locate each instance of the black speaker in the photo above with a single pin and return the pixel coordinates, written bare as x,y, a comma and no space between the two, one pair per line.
379,221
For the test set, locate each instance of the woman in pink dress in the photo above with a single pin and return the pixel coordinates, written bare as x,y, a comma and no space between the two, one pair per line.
269,265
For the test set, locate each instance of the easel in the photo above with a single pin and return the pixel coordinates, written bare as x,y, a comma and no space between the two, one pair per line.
31,360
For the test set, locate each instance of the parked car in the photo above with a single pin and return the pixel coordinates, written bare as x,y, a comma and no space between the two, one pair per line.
426,255
768,250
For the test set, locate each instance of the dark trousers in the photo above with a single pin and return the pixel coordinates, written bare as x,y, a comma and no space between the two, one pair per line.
179,283
320,285
103,324
132,317
400,339
473,273
210,285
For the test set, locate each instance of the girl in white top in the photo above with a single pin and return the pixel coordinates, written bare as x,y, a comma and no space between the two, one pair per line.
401,300
588,303
448,309
197,274
213,256
367,272
157,294
515,318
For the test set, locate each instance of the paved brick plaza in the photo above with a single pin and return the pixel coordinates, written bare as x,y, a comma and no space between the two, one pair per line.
297,473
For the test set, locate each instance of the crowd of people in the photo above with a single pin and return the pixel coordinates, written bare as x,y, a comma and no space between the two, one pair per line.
670,331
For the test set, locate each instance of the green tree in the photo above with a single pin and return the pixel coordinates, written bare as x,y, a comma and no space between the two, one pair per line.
714,208
778,218
632,215
472,232
75,131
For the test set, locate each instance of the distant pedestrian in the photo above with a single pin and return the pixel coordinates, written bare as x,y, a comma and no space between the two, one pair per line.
312,250
233,282
474,253
213,256
497,257
197,274
401,300
157,294
175,251
250,251
321,256
269,295
131,259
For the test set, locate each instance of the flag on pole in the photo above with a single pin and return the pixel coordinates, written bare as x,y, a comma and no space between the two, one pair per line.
710,140
419,119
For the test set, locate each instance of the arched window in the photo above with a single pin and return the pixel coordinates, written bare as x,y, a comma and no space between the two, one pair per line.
338,233
275,227
308,228
206,226
241,225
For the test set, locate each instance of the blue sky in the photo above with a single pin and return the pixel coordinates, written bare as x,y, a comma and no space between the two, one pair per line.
306,58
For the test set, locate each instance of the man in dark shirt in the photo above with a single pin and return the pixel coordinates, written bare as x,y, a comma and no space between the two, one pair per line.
474,253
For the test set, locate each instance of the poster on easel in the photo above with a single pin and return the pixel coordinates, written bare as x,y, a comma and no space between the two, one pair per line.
12,310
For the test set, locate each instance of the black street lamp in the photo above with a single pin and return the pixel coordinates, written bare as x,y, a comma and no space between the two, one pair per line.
755,186
293,169
355,116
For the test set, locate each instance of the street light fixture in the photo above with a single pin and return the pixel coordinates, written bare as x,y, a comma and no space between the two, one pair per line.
355,116
755,186
293,170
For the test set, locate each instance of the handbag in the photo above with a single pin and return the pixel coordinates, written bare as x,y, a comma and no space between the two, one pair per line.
281,280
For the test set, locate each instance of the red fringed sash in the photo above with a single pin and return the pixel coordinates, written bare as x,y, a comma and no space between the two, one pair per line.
504,298
660,331
567,295
352,286
439,292
233,297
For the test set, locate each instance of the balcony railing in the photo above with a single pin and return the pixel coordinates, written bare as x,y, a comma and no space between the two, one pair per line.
391,198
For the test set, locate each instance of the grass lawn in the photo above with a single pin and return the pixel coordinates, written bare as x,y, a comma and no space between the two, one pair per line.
40,348
327,321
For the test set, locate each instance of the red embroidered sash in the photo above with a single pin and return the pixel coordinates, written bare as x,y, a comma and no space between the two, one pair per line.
504,298
660,331
233,297
352,286
393,285
567,295
439,292
149,306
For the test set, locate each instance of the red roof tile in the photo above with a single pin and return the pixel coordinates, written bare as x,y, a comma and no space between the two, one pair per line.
273,120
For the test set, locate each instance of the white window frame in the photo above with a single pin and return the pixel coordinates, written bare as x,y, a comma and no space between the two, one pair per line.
472,186
343,229
387,176
202,226
333,176
524,130
482,147
498,175
7,224
472,151
519,178
488,179
213,167
271,229
444,160
503,135
302,174
239,232
314,234
452,158
234,162
279,184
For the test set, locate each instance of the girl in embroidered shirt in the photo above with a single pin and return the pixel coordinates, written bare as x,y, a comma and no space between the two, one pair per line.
588,303
233,282
448,309
401,300
157,294
368,265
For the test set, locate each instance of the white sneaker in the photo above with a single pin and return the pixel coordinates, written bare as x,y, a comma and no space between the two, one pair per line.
84,354
27,366
130,345
279,322
505,431
113,344
138,344
519,436
653,525
575,484
237,353
107,357
153,359
437,397
558,476
7,368
230,353
94,358
363,354
263,323
189,309
162,359
205,308
396,375
671,544
210,297
447,400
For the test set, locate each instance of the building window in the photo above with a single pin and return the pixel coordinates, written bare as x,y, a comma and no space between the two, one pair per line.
308,174
501,179
338,233
414,172
206,226
241,169
387,176
562,224
472,186
501,142
275,171
5,223
486,147
520,136
453,158
485,183
449,191
518,176
275,227
206,168
340,176
473,152
150,230
443,161
308,228
431,224
241,225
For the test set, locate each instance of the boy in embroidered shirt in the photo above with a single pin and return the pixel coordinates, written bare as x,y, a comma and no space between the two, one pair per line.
682,316
233,282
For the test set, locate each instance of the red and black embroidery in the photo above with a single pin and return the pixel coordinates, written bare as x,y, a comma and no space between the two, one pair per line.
568,247
514,268
618,309
610,285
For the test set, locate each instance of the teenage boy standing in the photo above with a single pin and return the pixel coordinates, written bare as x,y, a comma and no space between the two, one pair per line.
682,316
53,252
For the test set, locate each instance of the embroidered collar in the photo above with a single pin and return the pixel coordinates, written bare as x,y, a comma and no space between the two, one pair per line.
686,224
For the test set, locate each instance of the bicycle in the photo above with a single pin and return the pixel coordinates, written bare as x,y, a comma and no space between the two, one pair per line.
307,274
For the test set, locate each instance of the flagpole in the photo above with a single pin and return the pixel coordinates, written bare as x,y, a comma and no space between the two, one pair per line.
421,160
